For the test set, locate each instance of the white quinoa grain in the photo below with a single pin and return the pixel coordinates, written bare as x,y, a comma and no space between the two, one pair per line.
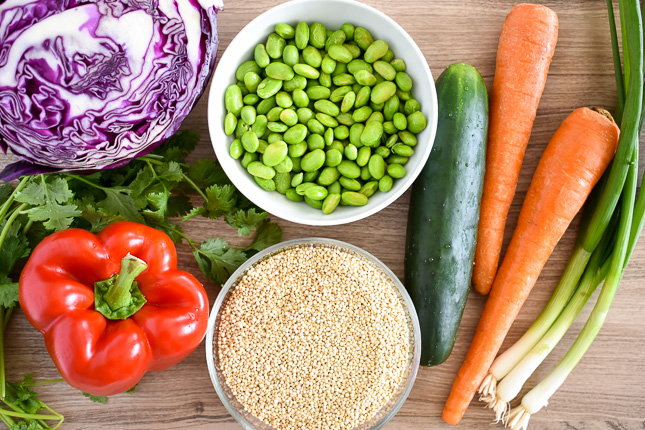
313,338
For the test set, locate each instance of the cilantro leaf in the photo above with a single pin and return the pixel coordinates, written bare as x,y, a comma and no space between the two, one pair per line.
145,177
206,172
19,395
267,234
14,247
179,205
178,146
51,200
159,204
8,292
96,399
119,202
131,390
97,220
245,220
217,260
170,172
5,191
219,200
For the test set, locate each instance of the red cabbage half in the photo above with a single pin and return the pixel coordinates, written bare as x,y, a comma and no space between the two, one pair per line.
91,84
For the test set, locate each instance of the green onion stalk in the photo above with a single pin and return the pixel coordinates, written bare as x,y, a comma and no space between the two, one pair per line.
600,208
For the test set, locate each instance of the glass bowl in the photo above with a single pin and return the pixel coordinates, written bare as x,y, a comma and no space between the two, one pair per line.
236,409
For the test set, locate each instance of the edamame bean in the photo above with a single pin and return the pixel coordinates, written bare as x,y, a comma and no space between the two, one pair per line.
304,115
349,184
297,179
248,115
250,141
341,132
282,182
417,122
318,92
262,146
300,189
311,176
388,128
398,65
285,166
277,127
325,80
230,123
315,141
326,120
275,153
403,81
340,53
333,157
364,77
248,158
336,38
382,151
383,91
351,152
355,132
407,138
297,83
280,71
326,107
258,169
296,162
240,129
289,117
334,188
330,203
361,114
313,160
396,159
339,93
328,65
349,169
345,118
316,192
389,56
385,69
376,166
317,35
246,67
336,144
355,50
283,99
340,69
328,176
411,106
365,173
376,116
236,150
265,184
396,170
251,81
348,29
385,184
369,188
233,99
306,70
293,195
400,121
362,97
356,65
275,45
378,107
269,87
274,114
261,57
295,134
348,101
353,198
364,154
312,56
265,106
290,56
363,38
391,107
403,150
329,136
285,30
316,204
376,51
302,35
251,99
403,95
314,126
343,79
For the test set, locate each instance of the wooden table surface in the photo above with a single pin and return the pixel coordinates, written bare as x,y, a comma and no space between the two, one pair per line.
606,390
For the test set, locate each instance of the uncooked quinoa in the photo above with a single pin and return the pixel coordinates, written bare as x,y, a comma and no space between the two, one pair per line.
314,338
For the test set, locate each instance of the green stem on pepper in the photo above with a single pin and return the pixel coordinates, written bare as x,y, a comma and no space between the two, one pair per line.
119,297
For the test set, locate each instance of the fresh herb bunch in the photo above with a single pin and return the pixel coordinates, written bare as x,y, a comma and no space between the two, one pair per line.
158,190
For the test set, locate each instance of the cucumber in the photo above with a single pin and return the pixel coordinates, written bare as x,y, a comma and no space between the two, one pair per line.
444,211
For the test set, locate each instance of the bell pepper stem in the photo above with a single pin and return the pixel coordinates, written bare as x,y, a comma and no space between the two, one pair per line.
118,295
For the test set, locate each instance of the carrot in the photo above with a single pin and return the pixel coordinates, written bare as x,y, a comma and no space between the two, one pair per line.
575,158
524,54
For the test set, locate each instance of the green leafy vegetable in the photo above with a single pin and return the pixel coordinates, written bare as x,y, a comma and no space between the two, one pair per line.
217,260
50,198
96,399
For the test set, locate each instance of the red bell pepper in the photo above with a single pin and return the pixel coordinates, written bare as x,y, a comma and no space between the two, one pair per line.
103,328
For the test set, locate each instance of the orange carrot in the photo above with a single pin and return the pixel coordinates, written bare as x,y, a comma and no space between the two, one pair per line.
575,158
524,54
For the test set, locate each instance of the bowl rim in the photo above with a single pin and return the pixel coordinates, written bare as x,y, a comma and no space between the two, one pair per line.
396,282
359,212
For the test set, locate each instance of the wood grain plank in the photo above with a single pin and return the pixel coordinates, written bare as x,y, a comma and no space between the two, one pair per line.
607,389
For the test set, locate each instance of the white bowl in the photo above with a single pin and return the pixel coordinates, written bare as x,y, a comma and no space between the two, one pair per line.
332,14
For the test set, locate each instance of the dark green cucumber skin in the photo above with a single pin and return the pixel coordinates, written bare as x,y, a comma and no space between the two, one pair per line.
444,211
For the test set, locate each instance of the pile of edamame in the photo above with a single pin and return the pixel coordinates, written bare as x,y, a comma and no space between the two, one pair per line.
323,116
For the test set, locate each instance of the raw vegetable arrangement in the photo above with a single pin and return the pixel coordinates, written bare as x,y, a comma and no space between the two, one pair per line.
92,94
323,116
